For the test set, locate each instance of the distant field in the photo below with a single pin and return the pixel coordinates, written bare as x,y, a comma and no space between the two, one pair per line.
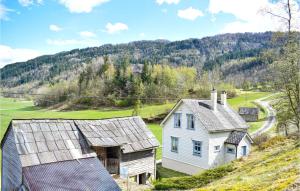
16,109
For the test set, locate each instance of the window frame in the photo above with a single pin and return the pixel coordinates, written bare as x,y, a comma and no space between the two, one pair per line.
176,144
188,115
195,151
233,150
219,148
177,116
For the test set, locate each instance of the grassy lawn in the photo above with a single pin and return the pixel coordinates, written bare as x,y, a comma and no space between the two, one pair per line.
246,99
167,173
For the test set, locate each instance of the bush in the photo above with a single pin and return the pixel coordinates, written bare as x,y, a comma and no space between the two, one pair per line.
260,139
273,141
196,181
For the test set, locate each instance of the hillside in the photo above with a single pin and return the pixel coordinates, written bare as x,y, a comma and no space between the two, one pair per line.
238,54
274,167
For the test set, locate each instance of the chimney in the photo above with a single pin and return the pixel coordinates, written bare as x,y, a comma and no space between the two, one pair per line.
214,97
224,98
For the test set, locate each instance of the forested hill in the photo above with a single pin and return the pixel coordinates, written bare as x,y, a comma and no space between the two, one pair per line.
203,53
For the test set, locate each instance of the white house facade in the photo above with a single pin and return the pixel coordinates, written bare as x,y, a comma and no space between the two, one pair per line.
202,134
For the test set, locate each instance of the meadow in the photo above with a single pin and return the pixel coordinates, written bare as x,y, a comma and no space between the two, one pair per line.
20,109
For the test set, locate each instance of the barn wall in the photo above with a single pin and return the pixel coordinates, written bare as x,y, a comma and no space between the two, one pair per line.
250,118
139,162
11,164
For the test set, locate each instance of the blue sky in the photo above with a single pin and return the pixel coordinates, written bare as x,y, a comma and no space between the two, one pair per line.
34,27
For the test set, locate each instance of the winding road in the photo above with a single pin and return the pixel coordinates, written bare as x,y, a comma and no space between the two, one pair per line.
271,118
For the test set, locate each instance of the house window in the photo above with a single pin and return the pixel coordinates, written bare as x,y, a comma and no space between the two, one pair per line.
190,121
177,120
217,148
244,150
230,150
174,144
197,148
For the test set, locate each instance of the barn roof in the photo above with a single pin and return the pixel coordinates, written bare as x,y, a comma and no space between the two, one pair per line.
235,137
81,174
131,133
248,111
48,141
223,119
42,141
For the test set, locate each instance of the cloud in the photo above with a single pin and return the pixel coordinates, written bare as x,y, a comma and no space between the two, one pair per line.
81,6
26,3
55,28
4,11
114,28
142,35
70,42
248,14
87,34
189,13
160,2
10,55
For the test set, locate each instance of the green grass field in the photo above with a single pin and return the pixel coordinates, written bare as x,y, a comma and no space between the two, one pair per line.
17,109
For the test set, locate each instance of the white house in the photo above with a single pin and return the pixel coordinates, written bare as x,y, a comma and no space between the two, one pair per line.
201,134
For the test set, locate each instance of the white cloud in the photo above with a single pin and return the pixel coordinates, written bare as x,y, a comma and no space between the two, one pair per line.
26,3
55,28
4,11
189,13
81,6
87,34
160,2
10,55
70,42
248,14
114,28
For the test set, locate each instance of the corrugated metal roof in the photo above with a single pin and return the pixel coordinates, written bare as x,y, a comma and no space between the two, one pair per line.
224,118
48,141
82,175
131,133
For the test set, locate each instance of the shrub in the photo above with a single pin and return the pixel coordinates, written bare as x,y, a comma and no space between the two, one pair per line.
273,141
195,181
260,139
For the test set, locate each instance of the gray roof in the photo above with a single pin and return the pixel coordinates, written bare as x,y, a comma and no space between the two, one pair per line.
81,174
224,119
47,141
235,137
41,141
248,111
131,133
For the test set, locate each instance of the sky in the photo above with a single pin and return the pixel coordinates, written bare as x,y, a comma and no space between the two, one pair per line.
30,28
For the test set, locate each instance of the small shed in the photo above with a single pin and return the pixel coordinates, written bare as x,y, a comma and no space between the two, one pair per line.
249,114
50,155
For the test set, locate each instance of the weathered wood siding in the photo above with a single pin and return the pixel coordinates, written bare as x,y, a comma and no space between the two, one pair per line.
11,164
139,162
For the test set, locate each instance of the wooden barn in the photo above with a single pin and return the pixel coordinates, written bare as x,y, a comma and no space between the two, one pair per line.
36,151
50,155
249,114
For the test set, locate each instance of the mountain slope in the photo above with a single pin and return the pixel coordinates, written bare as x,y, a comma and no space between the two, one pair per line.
203,53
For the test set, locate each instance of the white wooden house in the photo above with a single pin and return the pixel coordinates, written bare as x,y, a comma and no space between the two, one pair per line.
202,134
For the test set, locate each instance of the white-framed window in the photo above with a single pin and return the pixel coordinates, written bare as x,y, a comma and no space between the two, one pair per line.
174,144
197,150
230,150
177,120
190,121
217,148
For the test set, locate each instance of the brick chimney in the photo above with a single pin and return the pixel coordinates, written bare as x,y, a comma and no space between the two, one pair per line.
224,98
213,98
